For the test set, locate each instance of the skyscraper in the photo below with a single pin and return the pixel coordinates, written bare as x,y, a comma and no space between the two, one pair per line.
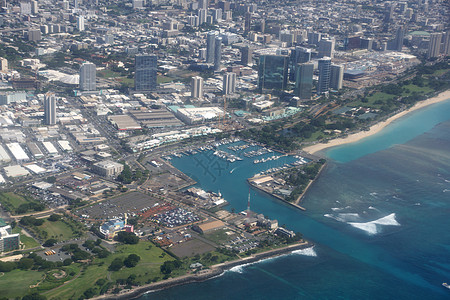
304,80
246,56
50,109
203,4
298,55
145,72
446,48
326,48
247,21
324,75
80,23
399,36
88,77
217,53
197,87
229,83
202,13
434,48
273,72
336,77
210,43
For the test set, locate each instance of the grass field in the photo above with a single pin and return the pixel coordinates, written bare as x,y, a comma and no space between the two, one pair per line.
11,200
17,282
29,242
147,268
106,73
219,236
163,79
58,230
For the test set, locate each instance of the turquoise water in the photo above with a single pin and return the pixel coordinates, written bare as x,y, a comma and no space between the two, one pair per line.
378,215
399,132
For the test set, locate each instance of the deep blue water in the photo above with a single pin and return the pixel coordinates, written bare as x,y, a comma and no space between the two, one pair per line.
379,215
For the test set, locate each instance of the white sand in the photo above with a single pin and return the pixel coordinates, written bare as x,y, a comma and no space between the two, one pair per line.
377,127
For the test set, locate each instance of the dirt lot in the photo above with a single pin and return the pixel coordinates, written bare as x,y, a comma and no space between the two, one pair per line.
191,248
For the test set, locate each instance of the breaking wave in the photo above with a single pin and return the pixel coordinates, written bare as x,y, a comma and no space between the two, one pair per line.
372,227
307,252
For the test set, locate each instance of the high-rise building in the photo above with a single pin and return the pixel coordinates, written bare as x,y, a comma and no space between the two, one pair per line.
304,80
247,21
203,4
246,56
50,109
3,64
229,83
298,55
324,66
25,8
446,46
80,23
326,48
88,77
314,38
366,43
434,47
273,72
217,53
224,5
202,13
302,55
336,77
399,37
210,46
197,87
34,7
145,72
216,14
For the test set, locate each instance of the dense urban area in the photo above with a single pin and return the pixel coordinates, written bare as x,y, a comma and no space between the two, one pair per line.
97,98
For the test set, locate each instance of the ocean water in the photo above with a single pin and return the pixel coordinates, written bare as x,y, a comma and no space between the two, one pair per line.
378,215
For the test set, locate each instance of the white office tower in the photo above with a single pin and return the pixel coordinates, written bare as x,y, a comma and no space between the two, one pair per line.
326,48
229,83
337,77
88,77
80,23
50,109
197,87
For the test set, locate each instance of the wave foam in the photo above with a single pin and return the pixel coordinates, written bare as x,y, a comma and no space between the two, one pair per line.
371,227
371,207
307,252
446,190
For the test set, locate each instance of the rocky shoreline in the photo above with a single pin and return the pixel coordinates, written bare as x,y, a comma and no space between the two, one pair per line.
204,275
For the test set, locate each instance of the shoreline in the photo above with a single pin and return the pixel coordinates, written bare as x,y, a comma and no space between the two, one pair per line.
212,272
354,137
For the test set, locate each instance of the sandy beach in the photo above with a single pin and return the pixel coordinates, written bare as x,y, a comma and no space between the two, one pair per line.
377,127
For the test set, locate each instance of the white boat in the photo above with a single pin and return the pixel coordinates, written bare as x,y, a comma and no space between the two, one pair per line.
446,285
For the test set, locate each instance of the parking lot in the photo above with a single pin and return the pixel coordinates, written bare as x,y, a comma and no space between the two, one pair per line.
130,203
